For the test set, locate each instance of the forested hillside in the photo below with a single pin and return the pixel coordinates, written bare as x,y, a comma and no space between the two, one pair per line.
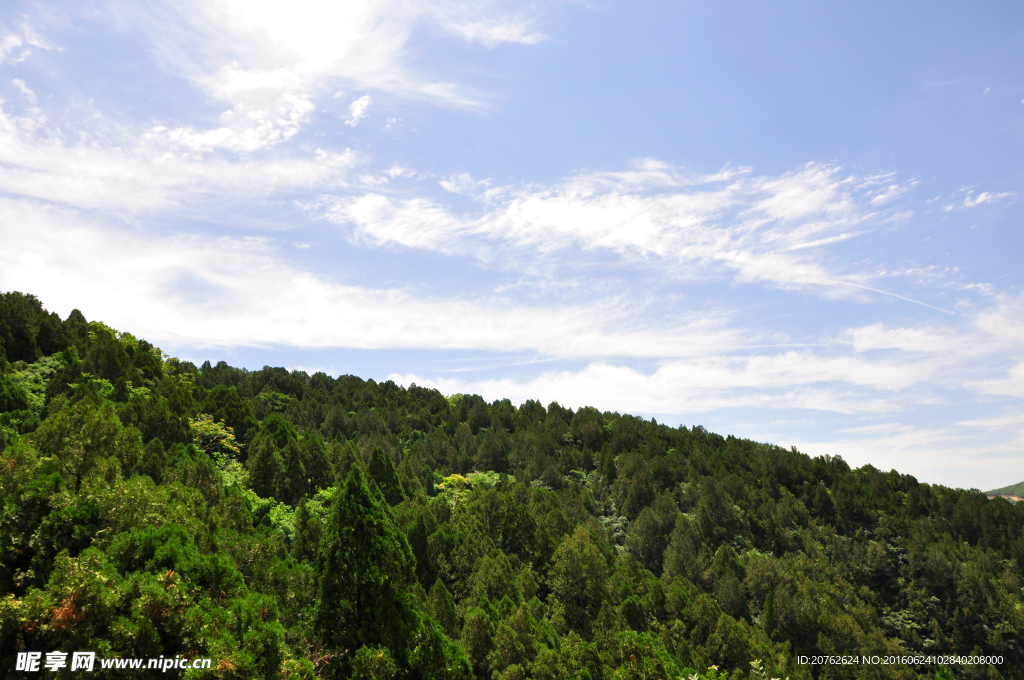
1014,490
288,525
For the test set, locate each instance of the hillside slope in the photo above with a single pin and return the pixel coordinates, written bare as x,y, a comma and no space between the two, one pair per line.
1012,490
288,525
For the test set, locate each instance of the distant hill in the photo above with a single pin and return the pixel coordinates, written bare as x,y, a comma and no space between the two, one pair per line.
1012,490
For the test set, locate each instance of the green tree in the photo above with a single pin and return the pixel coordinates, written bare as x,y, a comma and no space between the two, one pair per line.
295,483
579,579
649,535
373,663
308,532
383,473
224,404
366,569
644,658
20,315
316,457
588,427
82,435
436,656
108,359
441,608
12,395
478,640
266,468
421,551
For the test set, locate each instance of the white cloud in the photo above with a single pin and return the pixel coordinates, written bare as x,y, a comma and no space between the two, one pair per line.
246,127
397,170
892,191
1006,420
986,197
480,22
1011,386
234,292
357,110
246,293
8,44
16,46
145,173
963,455
678,387
24,89
271,61
768,229
463,184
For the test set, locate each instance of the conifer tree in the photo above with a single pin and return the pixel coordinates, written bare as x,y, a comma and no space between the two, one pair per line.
384,474
266,468
307,534
579,579
319,469
408,477
418,543
437,657
366,570
441,608
344,456
296,483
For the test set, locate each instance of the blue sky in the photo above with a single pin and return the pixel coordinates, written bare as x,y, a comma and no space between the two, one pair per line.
793,222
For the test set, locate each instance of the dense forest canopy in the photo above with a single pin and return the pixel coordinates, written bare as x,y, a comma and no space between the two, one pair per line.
288,525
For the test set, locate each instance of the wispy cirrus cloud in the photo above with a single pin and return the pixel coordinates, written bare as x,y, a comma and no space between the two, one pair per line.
756,228
971,199
269,63
17,45
143,174
272,62
986,197
357,110
228,292
1011,386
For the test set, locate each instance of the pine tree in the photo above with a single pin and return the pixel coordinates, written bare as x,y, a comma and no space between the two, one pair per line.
383,472
367,569
437,657
441,608
409,477
344,456
307,534
318,463
579,579
154,457
418,543
266,468
296,483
